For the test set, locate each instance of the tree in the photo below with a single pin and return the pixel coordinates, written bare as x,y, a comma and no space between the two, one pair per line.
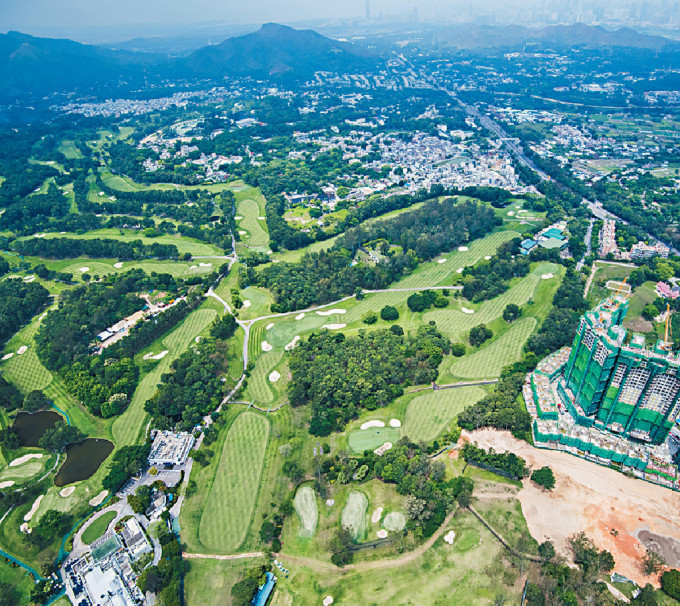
511,312
670,583
389,313
141,500
340,547
652,562
546,550
293,471
646,597
479,334
534,595
59,437
35,401
369,318
243,591
458,349
544,477
650,311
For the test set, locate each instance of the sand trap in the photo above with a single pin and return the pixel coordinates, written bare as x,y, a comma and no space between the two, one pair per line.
6,484
83,269
67,492
29,279
395,423
262,218
94,501
546,276
118,265
238,217
245,304
293,343
194,267
299,316
23,349
488,257
334,326
463,248
101,193
274,376
205,264
511,213
24,528
460,270
382,534
7,356
25,458
269,326
330,502
328,600
34,508
241,232
374,423
330,312
377,514
159,356
442,261
266,346
465,310
198,339
381,450
449,536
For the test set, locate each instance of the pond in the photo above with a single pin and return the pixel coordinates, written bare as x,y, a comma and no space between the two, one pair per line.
31,427
83,460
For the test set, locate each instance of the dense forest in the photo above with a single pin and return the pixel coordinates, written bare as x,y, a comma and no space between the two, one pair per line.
19,302
97,248
339,375
421,234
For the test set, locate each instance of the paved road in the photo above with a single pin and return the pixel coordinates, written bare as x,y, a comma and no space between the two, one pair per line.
589,236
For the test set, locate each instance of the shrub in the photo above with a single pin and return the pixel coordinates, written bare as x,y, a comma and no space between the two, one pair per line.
389,313
670,583
369,318
544,477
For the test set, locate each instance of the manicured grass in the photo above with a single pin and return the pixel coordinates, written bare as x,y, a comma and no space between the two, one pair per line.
488,362
27,471
209,582
260,302
256,235
19,580
260,388
183,244
354,514
428,415
128,426
229,507
285,330
26,371
307,510
123,183
372,438
394,521
98,527
70,150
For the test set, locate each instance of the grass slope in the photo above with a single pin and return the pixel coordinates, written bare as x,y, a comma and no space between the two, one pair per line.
98,527
229,507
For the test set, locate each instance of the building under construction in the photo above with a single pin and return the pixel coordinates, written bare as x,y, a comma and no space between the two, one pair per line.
609,397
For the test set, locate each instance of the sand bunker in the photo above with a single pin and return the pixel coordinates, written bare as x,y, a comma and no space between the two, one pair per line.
330,502
328,600
274,376
238,217
395,423
330,312
463,248
269,326
6,484
382,534
7,356
381,450
246,304
194,267
198,339
374,423
159,356
28,279
449,536
25,458
34,508
460,270
546,276
23,349
241,232
94,501
83,269
266,346
488,257
299,316
118,265
205,264
465,310
442,261
377,514
67,492
262,218
24,528
334,326
511,213
293,343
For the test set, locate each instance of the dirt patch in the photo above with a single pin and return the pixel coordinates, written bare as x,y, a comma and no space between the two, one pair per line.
611,508
638,324
666,546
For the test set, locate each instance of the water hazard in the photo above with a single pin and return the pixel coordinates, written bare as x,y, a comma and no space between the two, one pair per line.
31,427
83,460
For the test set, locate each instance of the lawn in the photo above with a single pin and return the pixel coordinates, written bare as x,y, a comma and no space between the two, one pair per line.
228,510
260,301
354,514
307,510
18,580
488,362
256,235
260,388
372,438
429,415
209,582
128,426
98,527
26,371
70,150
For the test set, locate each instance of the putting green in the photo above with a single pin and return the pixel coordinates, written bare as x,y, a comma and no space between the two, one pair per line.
372,438
307,510
354,514
394,521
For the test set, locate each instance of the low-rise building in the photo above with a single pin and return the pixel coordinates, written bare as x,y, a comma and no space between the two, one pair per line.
170,448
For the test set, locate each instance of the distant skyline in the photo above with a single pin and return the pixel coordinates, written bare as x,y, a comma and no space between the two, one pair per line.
95,20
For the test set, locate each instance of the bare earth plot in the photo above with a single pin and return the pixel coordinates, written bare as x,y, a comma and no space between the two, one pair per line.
596,500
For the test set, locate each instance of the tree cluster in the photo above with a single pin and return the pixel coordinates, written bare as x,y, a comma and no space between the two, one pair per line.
127,461
507,462
19,302
96,248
